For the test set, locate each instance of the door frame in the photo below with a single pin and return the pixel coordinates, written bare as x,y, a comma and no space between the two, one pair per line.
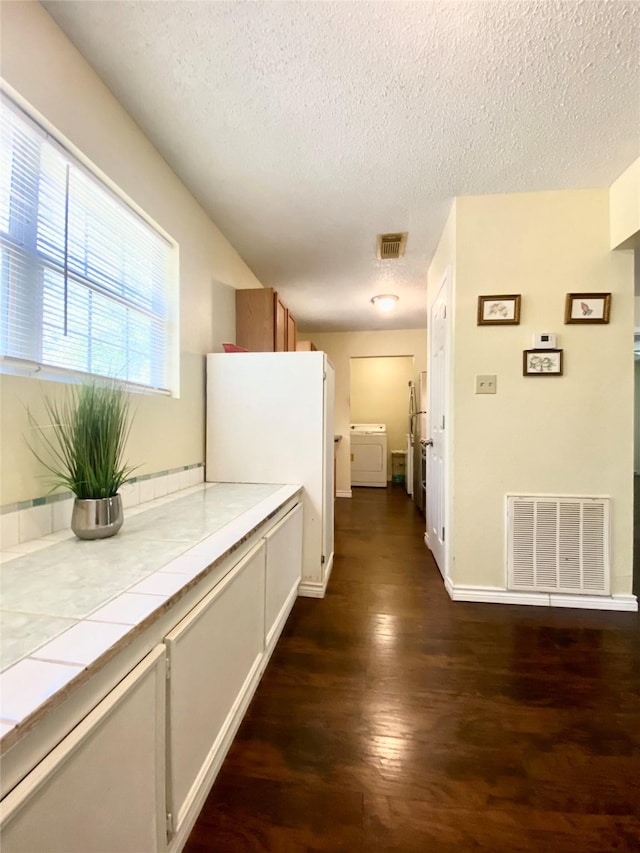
445,288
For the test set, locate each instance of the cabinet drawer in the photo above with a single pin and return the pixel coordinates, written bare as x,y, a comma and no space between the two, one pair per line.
102,789
213,655
283,570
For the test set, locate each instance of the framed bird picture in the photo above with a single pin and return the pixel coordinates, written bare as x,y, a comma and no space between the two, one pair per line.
587,308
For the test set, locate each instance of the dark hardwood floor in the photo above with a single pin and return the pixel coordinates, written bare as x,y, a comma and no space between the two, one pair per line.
392,719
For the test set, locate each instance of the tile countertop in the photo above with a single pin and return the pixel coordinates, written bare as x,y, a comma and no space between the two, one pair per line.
65,605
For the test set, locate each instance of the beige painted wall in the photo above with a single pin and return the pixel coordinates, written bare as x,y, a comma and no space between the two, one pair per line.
380,394
624,197
341,347
42,65
570,435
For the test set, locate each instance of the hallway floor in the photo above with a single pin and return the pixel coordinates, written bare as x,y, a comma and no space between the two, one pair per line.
393,719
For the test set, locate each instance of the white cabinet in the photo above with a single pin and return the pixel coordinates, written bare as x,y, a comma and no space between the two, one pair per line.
133,774
214,658
102,789
284,560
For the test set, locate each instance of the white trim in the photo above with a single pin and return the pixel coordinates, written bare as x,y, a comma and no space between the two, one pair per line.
23,367
313,589
346,493
495,595
595,602
309,589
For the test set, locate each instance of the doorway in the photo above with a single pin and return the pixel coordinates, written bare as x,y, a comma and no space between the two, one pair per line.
379,394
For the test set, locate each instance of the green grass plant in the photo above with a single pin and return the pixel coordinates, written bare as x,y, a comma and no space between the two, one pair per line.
84,442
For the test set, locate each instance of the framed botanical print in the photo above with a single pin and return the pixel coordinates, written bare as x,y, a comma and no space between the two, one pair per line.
542,362
499,310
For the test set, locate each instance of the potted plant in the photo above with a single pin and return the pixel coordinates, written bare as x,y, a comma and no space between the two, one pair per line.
82,448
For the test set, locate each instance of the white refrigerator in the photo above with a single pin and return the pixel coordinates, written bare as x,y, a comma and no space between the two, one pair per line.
270,420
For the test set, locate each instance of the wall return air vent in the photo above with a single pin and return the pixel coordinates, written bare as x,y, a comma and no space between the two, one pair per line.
558,544
391,246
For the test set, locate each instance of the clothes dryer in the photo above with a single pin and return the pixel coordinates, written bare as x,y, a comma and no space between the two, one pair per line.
369,455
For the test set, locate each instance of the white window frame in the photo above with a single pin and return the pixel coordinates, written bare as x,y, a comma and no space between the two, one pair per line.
21,367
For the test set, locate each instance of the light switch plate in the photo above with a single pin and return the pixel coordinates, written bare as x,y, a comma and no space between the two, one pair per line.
486,384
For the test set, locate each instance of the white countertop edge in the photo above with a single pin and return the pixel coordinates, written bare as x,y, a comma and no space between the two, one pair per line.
224,539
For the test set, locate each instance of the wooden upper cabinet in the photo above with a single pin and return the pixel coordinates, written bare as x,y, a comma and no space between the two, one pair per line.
263,323
291,333
280,331
305,346
255,319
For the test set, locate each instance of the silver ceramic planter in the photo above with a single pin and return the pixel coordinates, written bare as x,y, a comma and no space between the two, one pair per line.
97,519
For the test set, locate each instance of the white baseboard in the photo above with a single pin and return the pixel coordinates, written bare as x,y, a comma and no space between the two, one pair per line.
308,589
344,493
315,589
495,595
595,602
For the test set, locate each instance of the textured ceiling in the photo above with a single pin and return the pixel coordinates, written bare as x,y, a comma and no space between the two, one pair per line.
305,128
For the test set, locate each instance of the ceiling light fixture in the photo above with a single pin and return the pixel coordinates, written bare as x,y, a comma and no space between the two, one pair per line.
385,302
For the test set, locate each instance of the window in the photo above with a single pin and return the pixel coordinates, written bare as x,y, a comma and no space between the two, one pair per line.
87,284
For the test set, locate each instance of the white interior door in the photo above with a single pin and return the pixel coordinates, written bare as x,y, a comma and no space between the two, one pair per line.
437,425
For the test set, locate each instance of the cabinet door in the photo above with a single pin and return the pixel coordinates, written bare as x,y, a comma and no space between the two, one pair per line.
102,789
291,333
214,656
283,572
255,319
280,330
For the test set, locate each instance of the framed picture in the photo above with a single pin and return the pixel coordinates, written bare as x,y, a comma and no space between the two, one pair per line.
499,310
542,362
587,308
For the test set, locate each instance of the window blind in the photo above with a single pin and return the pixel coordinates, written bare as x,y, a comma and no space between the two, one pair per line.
87,284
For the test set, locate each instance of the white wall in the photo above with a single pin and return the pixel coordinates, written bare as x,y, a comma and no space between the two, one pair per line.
341,347
380,394
569,435
42,65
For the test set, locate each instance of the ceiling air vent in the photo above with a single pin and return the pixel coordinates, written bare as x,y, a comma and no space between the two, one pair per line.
391,246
